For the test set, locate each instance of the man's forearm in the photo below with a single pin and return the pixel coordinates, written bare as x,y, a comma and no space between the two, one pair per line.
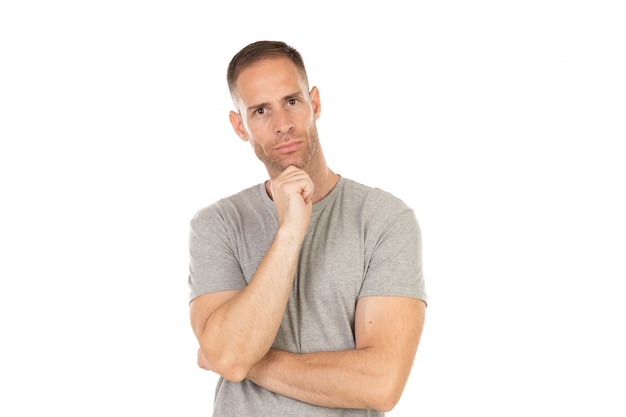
236,329
242,330
359,378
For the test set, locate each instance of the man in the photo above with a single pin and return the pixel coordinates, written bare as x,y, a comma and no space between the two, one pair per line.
307,294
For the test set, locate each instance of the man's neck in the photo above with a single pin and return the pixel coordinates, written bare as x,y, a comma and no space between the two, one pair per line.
324,183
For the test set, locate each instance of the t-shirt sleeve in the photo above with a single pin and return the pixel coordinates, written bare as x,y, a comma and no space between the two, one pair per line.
213,264
395,266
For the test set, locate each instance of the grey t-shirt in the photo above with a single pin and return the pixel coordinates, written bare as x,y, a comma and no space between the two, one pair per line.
361,241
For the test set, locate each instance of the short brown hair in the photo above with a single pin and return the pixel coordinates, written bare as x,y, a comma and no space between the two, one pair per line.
260,50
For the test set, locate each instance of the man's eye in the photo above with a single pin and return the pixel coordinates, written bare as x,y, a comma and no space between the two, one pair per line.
260,111
292,101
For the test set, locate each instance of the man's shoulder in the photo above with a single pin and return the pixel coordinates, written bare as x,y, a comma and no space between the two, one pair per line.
374,197
247,199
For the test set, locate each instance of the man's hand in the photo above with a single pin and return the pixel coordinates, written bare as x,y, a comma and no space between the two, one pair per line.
203,361
292,192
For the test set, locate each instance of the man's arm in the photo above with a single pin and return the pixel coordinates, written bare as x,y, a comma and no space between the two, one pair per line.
236,329
373,375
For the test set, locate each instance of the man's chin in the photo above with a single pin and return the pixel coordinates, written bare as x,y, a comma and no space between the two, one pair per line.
286,164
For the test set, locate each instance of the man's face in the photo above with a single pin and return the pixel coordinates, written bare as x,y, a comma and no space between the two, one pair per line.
277,114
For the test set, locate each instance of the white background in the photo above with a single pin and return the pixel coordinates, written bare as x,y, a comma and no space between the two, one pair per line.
500,122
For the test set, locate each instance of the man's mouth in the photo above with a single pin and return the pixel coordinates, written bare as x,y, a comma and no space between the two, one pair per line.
288,147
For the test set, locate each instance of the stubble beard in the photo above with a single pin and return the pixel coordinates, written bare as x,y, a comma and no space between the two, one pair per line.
276,164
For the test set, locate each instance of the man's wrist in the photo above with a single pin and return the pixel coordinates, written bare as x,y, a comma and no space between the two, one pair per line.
290,236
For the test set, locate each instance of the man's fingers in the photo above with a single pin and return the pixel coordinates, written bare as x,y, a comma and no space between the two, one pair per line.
293,177
292,192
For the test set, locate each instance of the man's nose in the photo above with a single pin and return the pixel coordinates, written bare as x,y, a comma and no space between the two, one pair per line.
282,121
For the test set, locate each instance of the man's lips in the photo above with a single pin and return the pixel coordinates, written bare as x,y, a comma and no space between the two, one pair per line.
288,147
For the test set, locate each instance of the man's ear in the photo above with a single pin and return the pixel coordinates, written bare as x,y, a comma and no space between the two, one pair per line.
314,95
237,122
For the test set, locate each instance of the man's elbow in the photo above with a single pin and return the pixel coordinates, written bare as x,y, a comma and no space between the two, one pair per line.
234,374
387,396
385,403
232,369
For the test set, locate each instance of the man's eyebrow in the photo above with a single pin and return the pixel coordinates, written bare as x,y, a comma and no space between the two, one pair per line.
296,94
254,107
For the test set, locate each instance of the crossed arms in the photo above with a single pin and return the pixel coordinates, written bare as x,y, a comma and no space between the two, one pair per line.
236,329
371,376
